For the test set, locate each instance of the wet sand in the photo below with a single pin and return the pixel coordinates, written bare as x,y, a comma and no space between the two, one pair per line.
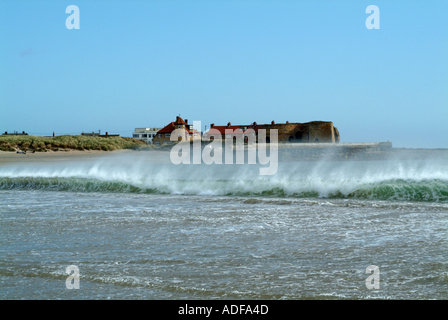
72,155
286,153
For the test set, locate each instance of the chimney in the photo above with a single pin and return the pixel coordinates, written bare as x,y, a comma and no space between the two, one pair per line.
229,124
212,125
107,133
186,121
255,123
287,121
53,133
272,122
23,132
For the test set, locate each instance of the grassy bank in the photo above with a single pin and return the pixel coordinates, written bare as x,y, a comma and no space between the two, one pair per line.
68,142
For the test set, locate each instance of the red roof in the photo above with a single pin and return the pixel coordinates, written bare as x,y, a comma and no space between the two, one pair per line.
167,129
173,125
222,129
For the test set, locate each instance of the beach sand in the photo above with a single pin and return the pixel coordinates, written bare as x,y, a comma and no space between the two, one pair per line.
74,155
286,154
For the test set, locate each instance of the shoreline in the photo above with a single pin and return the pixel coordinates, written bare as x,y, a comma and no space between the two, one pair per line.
8,157
285,154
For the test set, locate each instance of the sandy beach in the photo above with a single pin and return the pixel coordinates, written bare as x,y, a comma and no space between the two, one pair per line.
288,153
74,155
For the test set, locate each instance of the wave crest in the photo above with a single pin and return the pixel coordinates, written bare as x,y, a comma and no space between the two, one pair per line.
375,180
428,191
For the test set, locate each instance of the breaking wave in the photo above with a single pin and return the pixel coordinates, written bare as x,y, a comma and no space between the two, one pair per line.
404,181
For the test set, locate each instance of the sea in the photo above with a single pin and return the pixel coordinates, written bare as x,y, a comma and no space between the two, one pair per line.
139,227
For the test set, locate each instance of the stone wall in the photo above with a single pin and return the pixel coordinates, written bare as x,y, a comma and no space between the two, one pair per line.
310,132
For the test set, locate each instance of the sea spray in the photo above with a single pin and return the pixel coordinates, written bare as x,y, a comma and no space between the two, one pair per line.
425,180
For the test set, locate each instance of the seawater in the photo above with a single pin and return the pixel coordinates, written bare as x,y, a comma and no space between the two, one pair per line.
142,228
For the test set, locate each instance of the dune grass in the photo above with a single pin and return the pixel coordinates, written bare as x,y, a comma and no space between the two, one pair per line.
68,142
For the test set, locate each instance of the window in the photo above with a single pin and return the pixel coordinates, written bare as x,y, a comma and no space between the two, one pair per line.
167,135
144,135
179,126
135,136
160,135
157,143
195,134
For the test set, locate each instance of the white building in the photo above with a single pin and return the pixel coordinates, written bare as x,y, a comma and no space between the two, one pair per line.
145,134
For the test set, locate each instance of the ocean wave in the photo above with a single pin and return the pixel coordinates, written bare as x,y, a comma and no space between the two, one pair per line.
429,191
388,180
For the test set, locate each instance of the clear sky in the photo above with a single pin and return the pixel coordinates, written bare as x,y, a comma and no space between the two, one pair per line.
140,63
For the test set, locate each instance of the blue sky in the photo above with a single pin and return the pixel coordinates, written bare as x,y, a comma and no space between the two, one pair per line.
140,63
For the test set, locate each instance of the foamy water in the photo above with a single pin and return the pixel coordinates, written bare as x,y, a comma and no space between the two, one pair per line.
406,180
143,229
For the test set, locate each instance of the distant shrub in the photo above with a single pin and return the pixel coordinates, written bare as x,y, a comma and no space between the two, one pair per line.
77,142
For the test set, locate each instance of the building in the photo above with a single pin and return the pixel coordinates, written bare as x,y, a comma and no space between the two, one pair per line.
90,134
145,134
15,133
98,134
235,128
185,132
309,132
